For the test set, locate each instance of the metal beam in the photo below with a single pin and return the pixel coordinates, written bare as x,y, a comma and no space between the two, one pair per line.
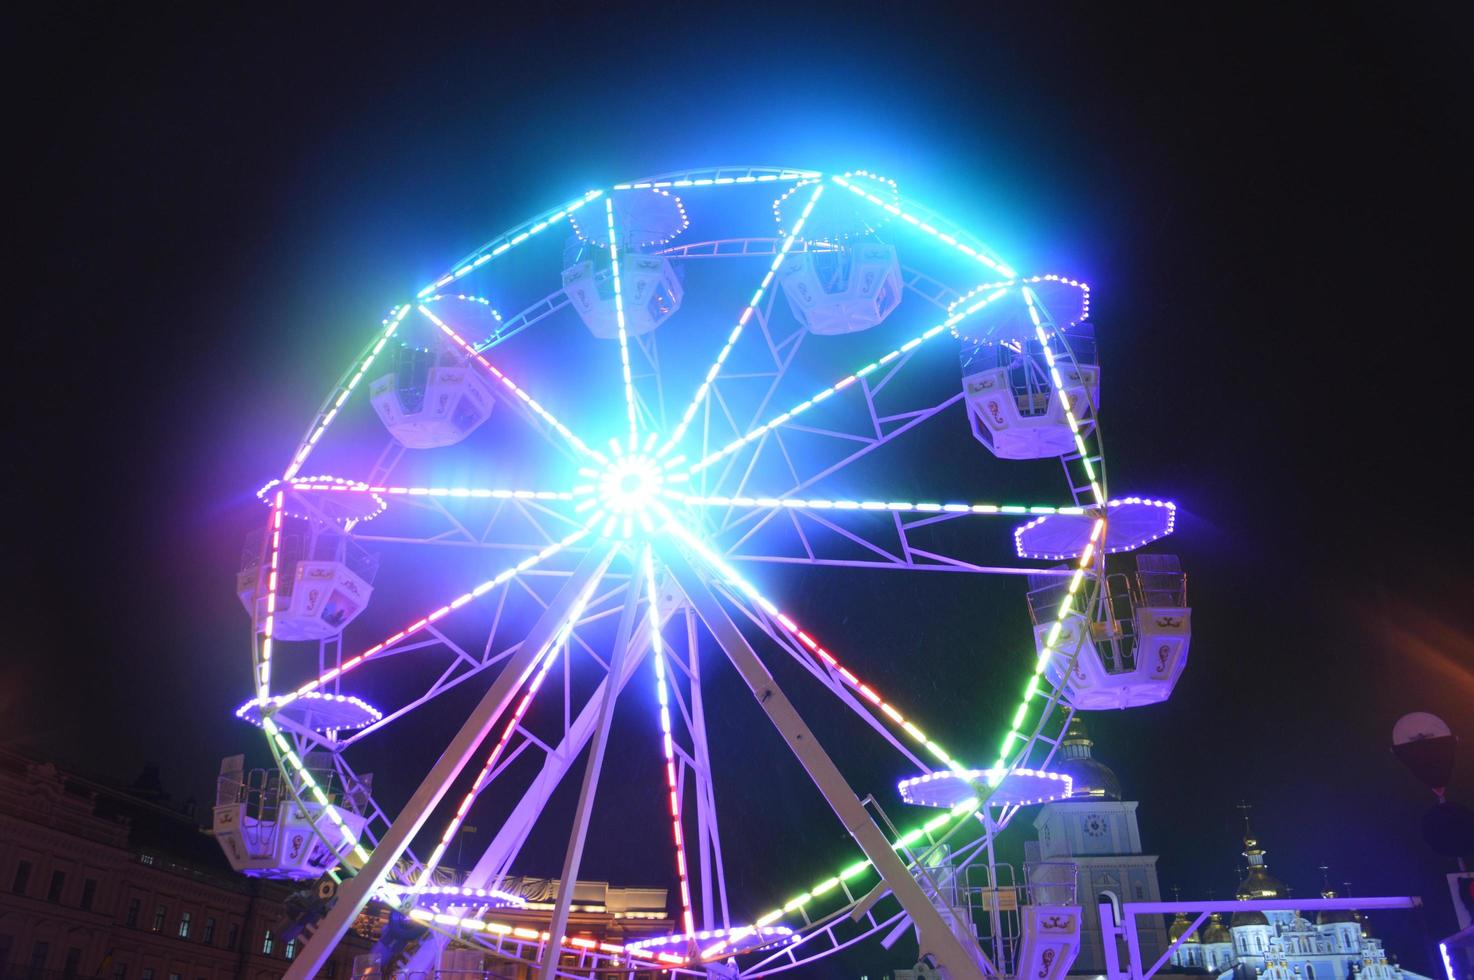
568,882
354,893
936,936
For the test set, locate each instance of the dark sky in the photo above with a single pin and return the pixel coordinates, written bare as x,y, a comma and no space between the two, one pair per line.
1272,210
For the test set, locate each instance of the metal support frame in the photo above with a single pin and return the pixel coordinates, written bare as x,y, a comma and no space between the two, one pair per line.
573,857
354,894
1112,930
935,936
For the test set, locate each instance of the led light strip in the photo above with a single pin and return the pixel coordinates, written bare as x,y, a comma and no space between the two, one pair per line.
783,199
281,747
449,607
485,897
865,690
1084,288
466,297
522,932
799,503
1002,268
993,777
845,382
662,694
624,347
685,223
1059,389
527,399
268,628
474,493
757,296
374,714
540,664
720,181
489,251
1171,525
1066,606
391,324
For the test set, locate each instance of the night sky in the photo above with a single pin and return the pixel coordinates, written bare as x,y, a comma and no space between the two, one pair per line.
215,210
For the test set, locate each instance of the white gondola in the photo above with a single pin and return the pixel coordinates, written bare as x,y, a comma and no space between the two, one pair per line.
650,287
266,834
1011,398
324,580
844,289
432,398
1135,649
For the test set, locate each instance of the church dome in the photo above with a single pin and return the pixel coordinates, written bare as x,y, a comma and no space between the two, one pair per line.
1249,917
1216,931
1090,779
1179,925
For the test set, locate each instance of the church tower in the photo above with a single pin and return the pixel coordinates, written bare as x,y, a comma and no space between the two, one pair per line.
1096,831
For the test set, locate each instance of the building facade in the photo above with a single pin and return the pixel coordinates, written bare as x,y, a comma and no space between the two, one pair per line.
1282,945
101,882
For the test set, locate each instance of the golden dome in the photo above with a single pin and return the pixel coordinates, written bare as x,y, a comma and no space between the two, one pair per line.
1216,931
1179,925
1249,917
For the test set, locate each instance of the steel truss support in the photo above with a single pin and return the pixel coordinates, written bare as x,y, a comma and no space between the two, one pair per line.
936,938
573,857
354,893
498,855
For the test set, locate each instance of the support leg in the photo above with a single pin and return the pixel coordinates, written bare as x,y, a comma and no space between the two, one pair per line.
354,894
567,884
936,937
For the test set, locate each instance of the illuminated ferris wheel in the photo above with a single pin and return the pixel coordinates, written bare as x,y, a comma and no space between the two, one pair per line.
718,390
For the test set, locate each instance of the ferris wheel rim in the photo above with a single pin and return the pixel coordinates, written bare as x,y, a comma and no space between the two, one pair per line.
797,175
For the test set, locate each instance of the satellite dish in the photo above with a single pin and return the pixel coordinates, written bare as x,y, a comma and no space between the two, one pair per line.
1424,744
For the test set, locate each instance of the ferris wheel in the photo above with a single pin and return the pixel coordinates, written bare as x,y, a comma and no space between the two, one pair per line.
635,433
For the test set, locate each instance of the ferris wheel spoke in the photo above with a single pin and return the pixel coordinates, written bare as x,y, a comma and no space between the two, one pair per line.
927,223
823,673
735,335
355,893
624,345
520,397
934,932
662,697
846,382
386,645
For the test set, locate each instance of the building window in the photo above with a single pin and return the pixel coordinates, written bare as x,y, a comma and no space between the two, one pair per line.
89,892
184,918
267,944
291,949
173,976
209,935
58,882
147,974
22,878
330,969
146,858
159,913
1309,971
120,971
132,920
73,963
233,936
39,954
